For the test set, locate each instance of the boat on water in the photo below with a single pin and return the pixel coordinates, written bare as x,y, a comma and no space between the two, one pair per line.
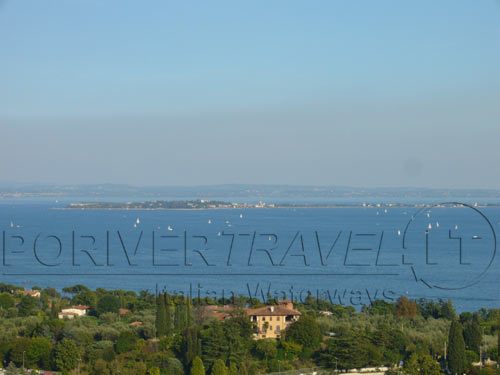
209,221
399,232
437,224
11,224
429,226
170,228
456,227
241,216
138,221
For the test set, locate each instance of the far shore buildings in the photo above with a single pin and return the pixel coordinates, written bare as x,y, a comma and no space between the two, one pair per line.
73,312
270,321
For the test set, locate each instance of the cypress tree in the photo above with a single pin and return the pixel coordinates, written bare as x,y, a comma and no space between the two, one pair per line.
456,349
233,370
180,316
161,317
168,314
197,368
472,336
191,345
219,368
188,312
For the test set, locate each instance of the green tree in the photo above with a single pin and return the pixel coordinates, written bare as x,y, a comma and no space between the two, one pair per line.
101,367
456,349
168,314
422,364
66,356
350,350
126,342
219,368
180,321
191,345
472,336
39,352
6,301
197,368
12,369
154,371
291,348
26,306
108,354
19,345
161,317
233,369
306,332
267,348
214,343
447,310
108,303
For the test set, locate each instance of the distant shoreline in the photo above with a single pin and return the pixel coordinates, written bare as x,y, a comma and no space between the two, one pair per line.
220,205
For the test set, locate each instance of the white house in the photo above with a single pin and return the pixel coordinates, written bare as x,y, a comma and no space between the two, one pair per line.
73,311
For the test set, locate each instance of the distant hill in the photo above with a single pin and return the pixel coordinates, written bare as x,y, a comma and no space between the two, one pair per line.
243,191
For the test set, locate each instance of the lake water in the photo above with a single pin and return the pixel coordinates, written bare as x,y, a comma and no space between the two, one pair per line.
345,255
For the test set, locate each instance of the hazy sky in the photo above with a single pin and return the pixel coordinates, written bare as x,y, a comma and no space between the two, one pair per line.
367,93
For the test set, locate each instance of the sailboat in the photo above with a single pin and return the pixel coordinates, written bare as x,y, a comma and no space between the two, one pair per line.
209,221
170,228
399,232
241,216
437,224
456,227
428,214
138,221
11,224
430,226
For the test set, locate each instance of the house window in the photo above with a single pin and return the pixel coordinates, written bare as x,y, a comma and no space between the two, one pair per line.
271,318
271,328
278,328
263,318
278,318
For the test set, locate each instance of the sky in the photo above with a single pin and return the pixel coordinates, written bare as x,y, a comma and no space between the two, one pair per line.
373,93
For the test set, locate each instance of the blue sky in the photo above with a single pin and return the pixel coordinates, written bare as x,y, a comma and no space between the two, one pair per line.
366,93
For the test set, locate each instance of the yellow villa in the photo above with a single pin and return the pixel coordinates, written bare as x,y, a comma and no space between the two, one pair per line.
272,320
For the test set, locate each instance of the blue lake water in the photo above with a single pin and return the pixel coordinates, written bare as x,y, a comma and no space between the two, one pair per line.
345,255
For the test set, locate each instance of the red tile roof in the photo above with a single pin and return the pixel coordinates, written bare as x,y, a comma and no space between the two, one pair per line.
273,311
79,307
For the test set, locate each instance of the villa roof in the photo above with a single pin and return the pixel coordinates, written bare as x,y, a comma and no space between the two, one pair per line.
273,311
78,307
